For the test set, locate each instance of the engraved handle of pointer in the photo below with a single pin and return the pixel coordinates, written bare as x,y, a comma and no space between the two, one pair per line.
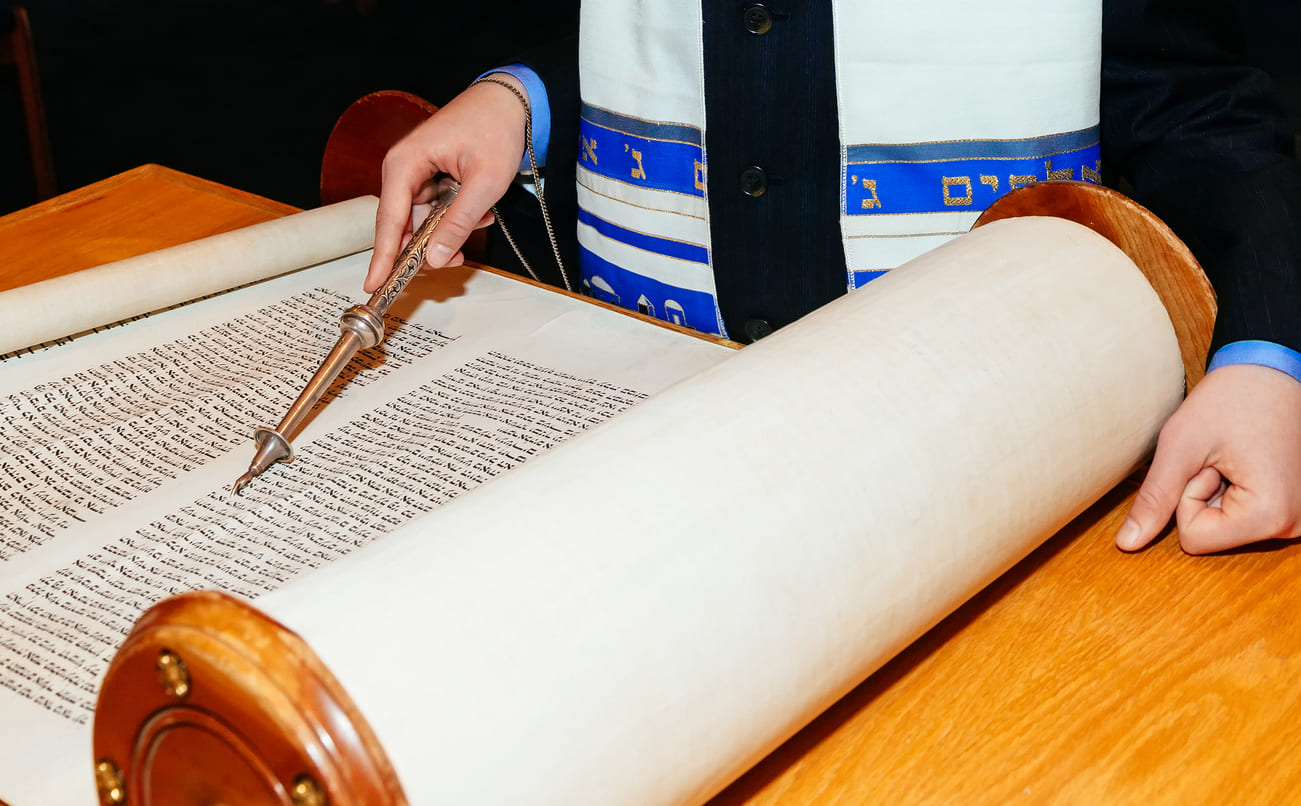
413,257
362,327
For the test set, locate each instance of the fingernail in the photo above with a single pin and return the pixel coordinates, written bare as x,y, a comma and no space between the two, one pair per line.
1128,534
437,255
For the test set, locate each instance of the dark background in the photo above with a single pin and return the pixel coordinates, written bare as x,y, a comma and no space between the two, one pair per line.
242,92
245,92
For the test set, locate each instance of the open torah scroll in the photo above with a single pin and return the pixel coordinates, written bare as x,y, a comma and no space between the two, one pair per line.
620,563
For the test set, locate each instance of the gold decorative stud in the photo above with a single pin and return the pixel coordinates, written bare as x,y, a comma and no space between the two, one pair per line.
172,675
108,780
306,792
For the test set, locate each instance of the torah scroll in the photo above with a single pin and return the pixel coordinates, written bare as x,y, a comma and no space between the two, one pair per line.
638,614
643,613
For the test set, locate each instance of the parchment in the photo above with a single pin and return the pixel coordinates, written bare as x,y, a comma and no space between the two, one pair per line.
118,450
643,613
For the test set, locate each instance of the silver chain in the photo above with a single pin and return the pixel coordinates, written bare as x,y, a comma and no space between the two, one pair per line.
537,184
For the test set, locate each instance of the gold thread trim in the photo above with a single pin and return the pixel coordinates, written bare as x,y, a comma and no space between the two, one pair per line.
583,184
964,159
905,235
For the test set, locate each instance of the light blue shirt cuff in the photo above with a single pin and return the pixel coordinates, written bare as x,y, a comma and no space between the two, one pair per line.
1263,353
541,120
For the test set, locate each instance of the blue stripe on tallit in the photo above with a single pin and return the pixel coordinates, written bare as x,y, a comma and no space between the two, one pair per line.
605,281
1033,147
668,247
861,278
660,156
959,176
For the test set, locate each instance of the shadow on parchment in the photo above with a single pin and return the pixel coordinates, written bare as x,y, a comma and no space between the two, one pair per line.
861,697
428,286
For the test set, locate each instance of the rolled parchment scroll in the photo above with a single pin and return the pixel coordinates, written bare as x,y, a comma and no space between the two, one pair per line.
74,303
641,614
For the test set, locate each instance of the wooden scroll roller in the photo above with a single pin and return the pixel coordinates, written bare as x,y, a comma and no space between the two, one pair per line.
209,700
1172,270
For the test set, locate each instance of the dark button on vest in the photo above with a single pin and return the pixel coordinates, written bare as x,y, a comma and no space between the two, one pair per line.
757,19
754,182
756,329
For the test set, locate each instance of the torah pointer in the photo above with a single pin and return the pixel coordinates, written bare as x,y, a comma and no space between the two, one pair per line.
362,327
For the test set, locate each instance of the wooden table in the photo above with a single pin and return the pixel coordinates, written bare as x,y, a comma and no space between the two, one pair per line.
141,210
1083,675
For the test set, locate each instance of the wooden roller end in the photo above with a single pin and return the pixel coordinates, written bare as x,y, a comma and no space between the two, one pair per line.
1164,259
210,701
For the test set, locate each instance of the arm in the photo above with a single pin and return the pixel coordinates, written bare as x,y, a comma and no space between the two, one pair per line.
1198,134
477,138
556,66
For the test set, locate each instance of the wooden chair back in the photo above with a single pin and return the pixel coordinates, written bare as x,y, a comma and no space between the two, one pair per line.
16,48
354,153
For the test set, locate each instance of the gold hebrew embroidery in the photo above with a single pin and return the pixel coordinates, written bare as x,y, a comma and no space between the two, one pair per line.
957,181
1064,173
639,172
1020,180
874,201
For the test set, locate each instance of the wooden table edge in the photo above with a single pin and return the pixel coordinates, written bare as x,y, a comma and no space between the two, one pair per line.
149,170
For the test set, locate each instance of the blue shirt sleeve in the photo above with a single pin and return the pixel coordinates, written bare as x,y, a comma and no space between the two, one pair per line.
541,111
1263,353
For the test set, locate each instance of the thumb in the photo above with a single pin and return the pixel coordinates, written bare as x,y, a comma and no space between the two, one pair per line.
1160,493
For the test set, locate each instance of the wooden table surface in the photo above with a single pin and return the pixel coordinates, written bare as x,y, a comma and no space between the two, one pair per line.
139,211
1083,675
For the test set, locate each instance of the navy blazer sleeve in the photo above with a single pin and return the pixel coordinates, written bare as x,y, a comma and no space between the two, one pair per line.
1199,136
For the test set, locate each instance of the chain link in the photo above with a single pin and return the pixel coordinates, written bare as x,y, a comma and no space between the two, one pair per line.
537,184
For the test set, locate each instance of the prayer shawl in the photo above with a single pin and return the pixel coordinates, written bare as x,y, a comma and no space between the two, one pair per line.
944,106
